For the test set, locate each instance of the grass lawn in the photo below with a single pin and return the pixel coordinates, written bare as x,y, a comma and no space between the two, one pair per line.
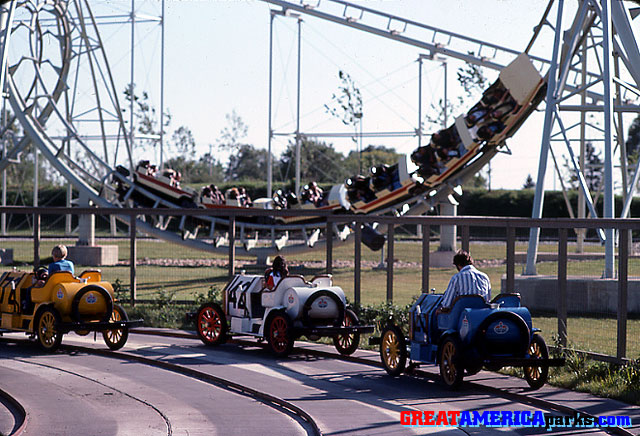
593,334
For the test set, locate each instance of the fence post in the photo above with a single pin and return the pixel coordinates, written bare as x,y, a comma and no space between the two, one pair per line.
390,231
357,249
623,272
465,238
133,258
36,240
329,243
232,246
562,286
426,239
511,258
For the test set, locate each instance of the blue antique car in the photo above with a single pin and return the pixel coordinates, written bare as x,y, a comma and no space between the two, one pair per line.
467,336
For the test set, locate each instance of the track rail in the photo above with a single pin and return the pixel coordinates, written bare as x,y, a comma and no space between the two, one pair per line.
303,418
519,398
17,410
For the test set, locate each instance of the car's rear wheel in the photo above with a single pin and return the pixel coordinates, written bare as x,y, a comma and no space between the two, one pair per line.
347,343
537,376
49,338
211,324
393,350
116,338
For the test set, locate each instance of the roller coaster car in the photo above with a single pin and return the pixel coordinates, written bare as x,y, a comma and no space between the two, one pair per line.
468,336
63,303
165,186
293,309
387,185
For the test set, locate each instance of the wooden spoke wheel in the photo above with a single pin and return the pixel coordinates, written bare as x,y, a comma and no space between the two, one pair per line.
211,324
49,338
278,331
537,376
115,339
347,344
393,350
450,369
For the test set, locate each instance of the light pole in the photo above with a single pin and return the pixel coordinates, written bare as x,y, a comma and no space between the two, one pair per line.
286,13
358,116
443,61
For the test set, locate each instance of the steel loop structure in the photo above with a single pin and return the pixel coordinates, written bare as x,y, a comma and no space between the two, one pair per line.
62,93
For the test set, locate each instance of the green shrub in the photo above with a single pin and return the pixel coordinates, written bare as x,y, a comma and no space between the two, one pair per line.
381,314
164,312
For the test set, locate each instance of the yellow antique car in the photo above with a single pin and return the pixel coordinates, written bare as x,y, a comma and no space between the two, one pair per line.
48,307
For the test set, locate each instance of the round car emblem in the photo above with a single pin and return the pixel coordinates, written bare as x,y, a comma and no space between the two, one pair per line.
322,303
291,299
91,299
60,294
501,328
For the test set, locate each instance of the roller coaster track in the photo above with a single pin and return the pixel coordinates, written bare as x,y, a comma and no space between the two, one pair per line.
37,104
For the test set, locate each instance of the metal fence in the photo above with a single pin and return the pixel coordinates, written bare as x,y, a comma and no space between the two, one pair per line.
608,330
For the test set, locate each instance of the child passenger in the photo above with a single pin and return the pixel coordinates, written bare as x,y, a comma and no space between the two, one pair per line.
59,263
277,272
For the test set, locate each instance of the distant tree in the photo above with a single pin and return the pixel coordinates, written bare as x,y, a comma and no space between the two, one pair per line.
347,104
472,79
197,171
233,133
319,162
593,172
213,165
183,142
372,155
146,118
248,163
529,183
633,140
477,181
21,170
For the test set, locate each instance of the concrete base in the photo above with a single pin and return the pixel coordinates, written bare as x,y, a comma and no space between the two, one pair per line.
584,295
441,259
6,256
97,255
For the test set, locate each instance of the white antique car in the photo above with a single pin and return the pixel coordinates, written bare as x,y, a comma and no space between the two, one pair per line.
295,308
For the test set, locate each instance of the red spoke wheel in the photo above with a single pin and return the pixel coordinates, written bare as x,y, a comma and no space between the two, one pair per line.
279,334
536,376
450,369
49,338
347,344
211,324
115,339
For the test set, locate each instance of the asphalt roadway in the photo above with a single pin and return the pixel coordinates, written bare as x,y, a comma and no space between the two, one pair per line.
81,394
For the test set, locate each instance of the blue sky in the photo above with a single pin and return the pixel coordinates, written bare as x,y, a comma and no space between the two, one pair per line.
217,61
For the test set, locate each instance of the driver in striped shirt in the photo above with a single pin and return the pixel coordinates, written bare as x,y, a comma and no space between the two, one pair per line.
467,281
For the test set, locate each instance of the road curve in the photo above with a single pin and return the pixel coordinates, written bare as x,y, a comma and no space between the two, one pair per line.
83,394
342,397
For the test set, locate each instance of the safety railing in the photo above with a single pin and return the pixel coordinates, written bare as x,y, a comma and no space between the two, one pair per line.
607,308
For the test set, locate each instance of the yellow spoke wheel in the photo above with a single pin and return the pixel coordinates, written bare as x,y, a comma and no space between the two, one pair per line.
393,350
